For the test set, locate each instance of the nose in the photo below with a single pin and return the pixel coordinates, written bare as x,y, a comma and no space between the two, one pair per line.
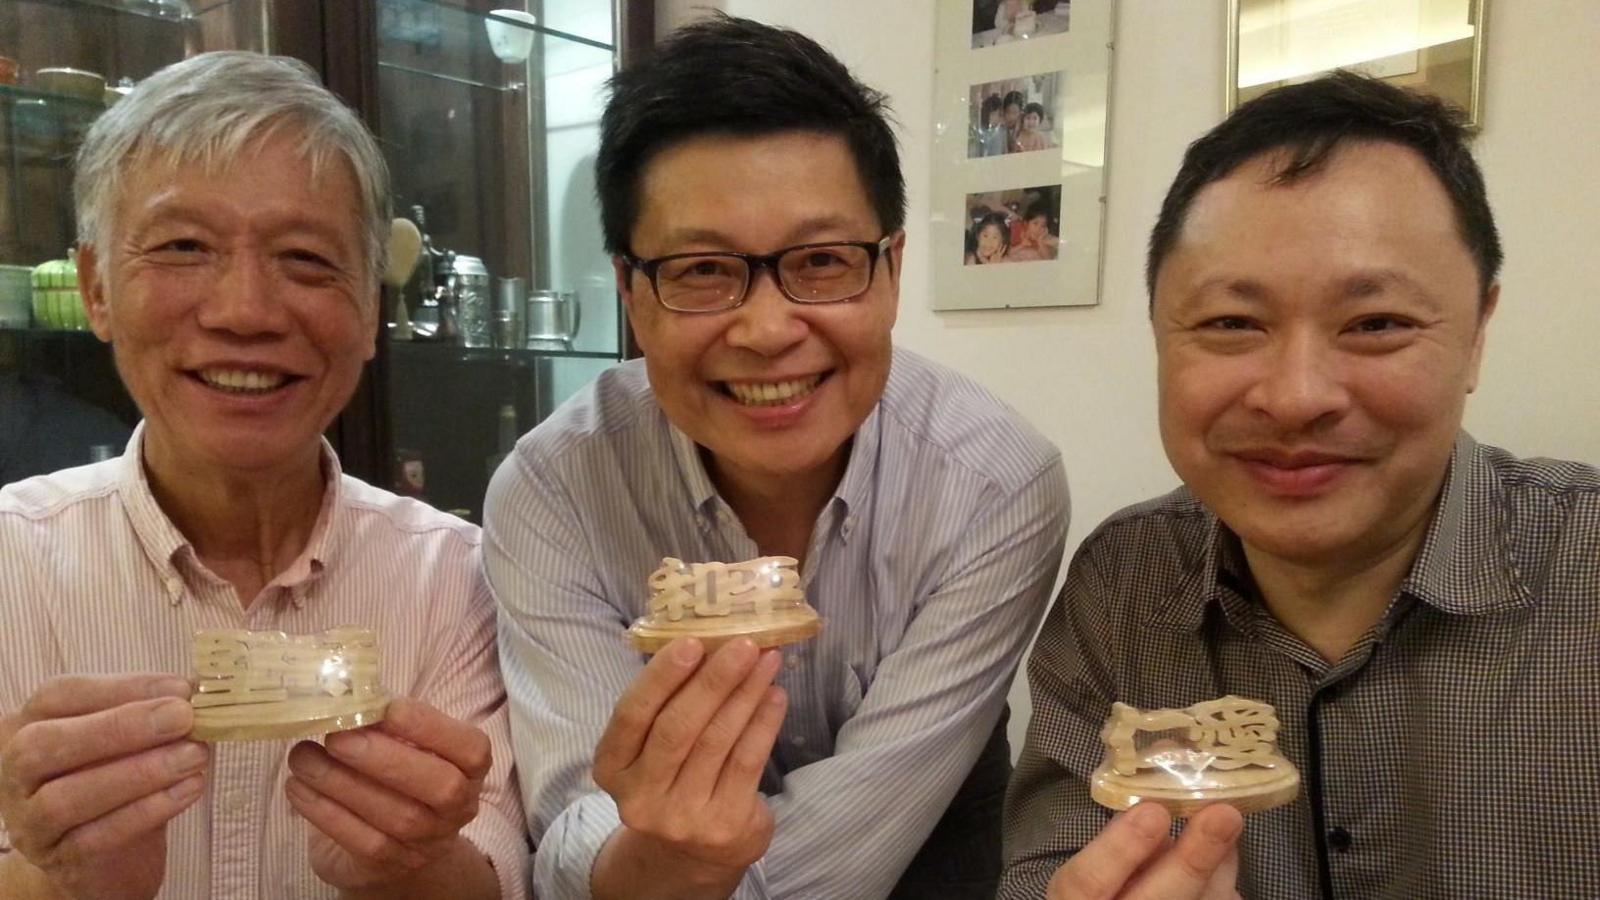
1300,385
243,300
768,322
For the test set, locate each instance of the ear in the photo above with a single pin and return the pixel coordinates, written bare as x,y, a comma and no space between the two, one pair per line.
1491,300
92,290
897,257
633,300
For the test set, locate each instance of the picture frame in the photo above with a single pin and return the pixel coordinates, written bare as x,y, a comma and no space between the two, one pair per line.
1436,46
1021,109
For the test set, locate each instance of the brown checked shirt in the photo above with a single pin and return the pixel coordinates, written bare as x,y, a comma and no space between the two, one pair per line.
1453,752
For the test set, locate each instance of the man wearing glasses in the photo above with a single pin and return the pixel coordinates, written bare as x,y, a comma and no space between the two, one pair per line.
751,195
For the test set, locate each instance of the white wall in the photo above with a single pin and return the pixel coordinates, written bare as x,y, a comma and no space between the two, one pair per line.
1086,377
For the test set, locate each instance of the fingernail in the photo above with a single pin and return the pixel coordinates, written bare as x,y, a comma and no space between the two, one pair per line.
312,763
688,652
770,661
187,789
171,718
186,757
171,686
1223,829
350,746
1151,823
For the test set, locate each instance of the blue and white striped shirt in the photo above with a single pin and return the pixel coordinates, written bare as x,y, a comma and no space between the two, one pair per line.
931,565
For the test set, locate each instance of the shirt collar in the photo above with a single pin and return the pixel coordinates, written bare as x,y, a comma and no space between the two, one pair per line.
164,544
1465,565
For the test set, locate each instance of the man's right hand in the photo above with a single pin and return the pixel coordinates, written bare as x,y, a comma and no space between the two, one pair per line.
91,771
1135,858
683,756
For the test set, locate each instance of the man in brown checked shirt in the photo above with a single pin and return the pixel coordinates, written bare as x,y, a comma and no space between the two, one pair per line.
1419,608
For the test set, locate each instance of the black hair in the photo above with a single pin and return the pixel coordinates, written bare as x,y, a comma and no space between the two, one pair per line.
1037,208
1035,108
1309,121
1015,98
732,76
991,105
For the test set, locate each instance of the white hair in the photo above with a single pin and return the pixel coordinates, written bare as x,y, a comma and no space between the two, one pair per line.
209,109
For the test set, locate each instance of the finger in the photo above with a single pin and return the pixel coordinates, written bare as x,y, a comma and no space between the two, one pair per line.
1104,865
388,811
1186,870
63,804
411,772
132,821
747,761
637,708
77,695
463,746
45,749
701,771
1224,883
355,836
678,727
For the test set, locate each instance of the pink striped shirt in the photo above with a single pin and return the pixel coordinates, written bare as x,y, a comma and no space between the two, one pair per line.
94,578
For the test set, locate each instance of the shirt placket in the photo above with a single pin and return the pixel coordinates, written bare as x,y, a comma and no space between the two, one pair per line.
240,770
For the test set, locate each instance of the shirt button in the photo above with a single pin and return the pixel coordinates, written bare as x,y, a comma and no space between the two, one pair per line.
1339,839
792,661
798,740
236,801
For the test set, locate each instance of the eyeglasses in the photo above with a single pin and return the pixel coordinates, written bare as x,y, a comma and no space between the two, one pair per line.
806,273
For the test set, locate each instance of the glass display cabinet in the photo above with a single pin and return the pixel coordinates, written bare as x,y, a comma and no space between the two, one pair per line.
489,119
513,305
61,64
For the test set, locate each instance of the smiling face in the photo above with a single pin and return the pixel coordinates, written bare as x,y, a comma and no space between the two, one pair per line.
1030,122
237,305
991,240
773,389
1316,344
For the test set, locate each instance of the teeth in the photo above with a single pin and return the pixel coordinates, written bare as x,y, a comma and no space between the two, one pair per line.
772,393
242,381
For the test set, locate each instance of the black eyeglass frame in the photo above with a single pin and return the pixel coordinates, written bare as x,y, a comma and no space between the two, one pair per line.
754,262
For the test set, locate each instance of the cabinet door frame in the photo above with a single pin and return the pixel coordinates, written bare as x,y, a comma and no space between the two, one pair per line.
309,29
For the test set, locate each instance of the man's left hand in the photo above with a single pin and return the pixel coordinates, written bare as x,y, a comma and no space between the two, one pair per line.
389,800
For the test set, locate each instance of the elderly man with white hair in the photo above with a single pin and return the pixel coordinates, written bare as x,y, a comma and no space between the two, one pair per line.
233,219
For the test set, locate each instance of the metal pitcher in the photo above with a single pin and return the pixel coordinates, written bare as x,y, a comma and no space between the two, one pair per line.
552,319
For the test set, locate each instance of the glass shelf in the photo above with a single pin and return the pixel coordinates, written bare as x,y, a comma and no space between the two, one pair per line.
20,96
439,352
163,10
540,28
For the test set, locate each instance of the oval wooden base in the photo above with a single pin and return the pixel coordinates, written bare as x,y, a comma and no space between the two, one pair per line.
784,626
1248,790
286,720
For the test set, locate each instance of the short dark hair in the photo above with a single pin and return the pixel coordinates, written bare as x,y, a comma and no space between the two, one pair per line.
732,76
1313,119
1037,208
1035,108
1015,98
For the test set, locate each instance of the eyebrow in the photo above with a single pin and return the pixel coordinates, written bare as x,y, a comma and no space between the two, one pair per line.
806,231
1355,286
165,212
